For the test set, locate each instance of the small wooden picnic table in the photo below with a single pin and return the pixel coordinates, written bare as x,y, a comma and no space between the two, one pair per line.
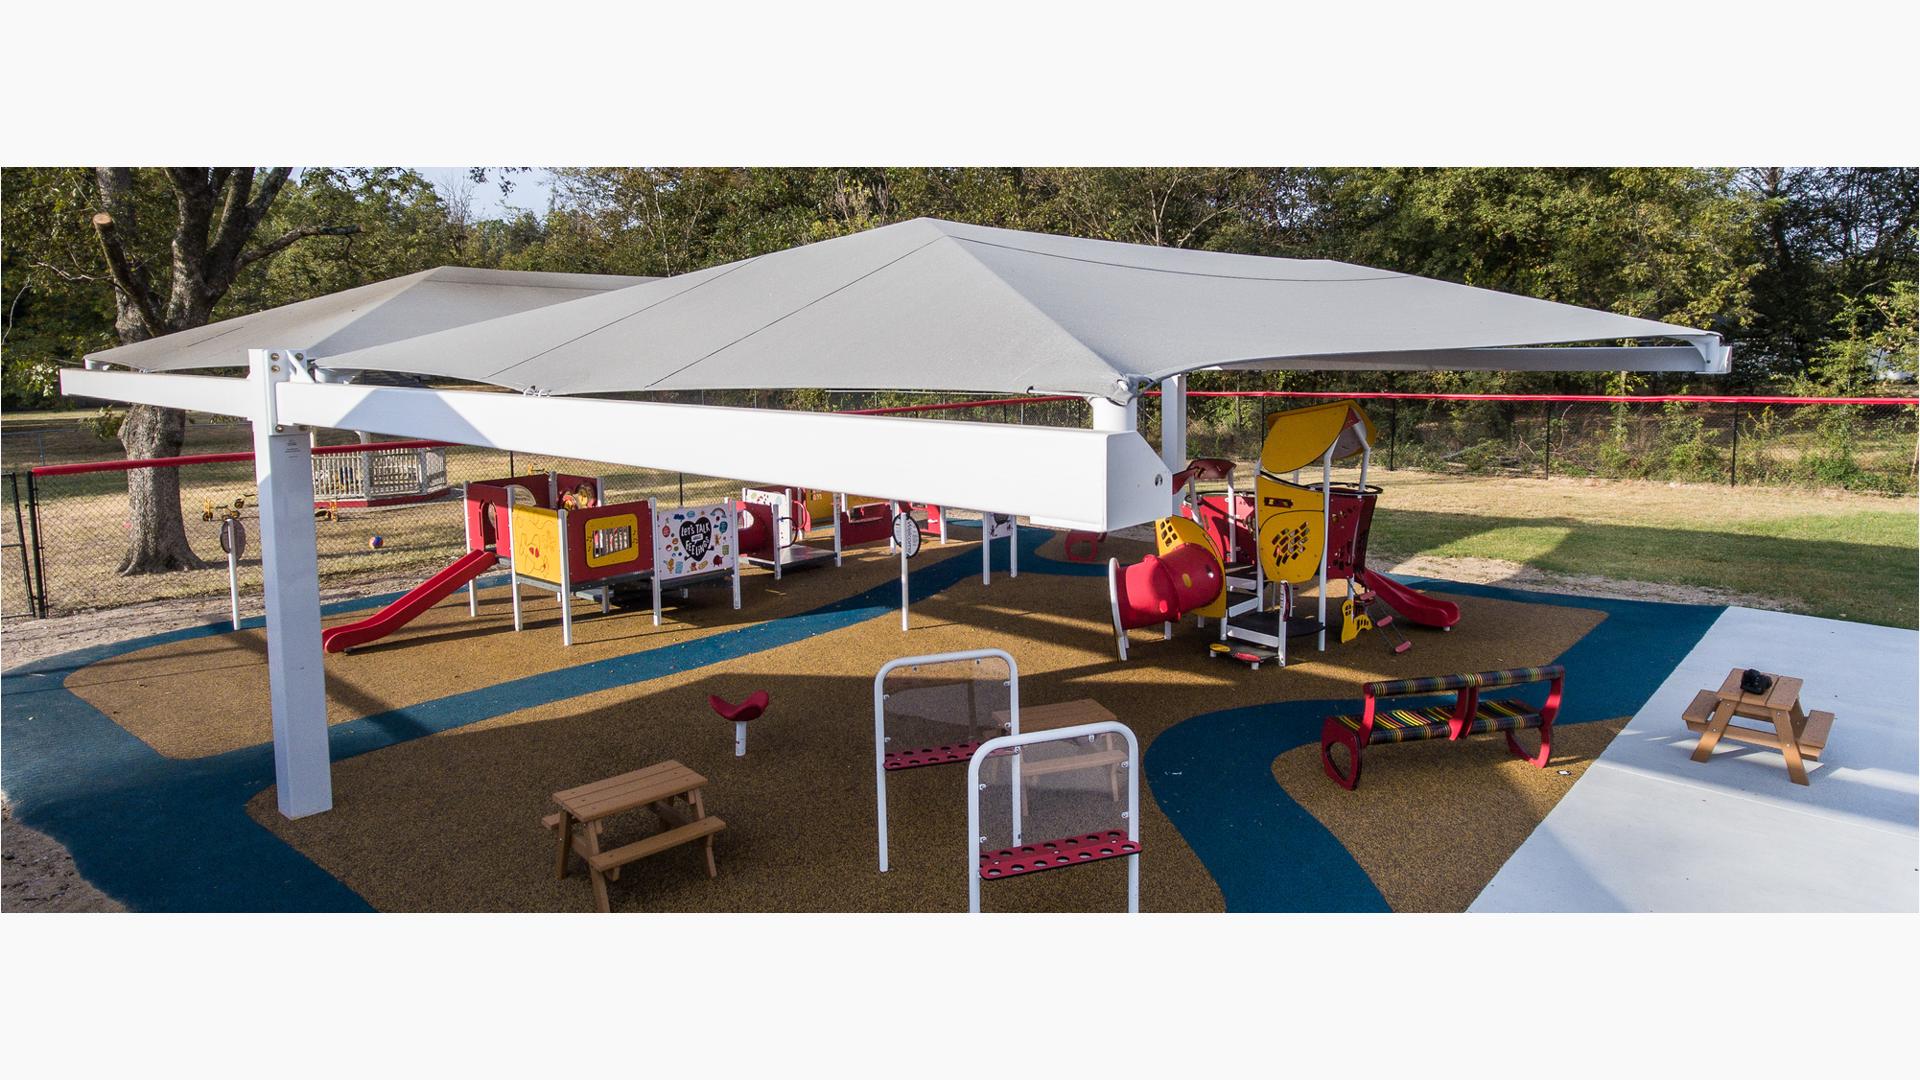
1798,735
669,789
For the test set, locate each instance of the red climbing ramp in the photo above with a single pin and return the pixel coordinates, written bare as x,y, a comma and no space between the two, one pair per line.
408,607
1414,606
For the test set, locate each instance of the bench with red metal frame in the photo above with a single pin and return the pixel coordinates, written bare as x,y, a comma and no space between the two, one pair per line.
1468,715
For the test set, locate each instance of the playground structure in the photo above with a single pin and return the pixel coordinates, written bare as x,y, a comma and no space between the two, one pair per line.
1469,714
1292,535
590,551
555,531
780,523
938,711
1047,782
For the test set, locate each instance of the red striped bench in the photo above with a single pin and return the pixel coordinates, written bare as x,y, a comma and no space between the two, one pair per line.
1468,715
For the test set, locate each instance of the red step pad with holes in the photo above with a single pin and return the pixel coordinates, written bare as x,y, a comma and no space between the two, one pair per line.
951,754
1054,854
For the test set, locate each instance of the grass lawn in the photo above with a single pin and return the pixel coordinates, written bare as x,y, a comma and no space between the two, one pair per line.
1838,555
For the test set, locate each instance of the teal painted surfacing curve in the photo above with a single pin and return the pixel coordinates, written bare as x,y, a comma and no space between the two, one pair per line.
165,834
161,834
1212,775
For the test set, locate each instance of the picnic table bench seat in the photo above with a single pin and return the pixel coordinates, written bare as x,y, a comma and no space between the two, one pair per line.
1468,714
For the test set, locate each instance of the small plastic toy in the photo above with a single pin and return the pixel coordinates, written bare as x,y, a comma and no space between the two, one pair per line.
375,542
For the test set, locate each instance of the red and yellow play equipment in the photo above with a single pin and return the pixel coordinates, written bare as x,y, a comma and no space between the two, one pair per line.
555,531
1182,577
1247,559
778,521
487,506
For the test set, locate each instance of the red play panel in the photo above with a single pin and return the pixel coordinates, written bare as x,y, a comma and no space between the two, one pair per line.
1054,854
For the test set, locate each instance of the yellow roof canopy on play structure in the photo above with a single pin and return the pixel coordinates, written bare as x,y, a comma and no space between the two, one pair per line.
1297,438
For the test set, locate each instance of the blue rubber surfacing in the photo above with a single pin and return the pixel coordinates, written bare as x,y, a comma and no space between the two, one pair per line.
161,834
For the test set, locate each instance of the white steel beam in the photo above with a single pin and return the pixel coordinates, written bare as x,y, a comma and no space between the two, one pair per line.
1057,476
200,393
1062,477
1173,424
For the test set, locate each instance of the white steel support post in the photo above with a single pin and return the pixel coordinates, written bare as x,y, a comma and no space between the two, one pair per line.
466,518
289,567
733,515
1173,425
839,502
986,548
566,582
1110,417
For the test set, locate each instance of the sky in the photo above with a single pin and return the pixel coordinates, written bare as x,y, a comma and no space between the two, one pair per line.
530,190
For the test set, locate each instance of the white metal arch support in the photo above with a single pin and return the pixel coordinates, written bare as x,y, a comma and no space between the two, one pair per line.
880,713
1014,743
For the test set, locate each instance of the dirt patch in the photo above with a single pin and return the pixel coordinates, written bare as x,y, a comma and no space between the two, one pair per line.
37,874
1514,575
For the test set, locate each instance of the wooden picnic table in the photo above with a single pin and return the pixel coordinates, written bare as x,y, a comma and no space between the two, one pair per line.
671,790
1798,735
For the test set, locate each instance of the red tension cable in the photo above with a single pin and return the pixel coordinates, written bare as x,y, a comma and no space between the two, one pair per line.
125,464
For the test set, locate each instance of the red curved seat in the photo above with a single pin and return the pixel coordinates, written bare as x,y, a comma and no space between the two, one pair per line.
749,708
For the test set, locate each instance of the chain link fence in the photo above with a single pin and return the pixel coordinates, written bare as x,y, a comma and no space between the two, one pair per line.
62,537
1863,448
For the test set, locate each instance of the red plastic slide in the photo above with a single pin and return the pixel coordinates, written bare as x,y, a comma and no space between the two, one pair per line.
407,608
1414,606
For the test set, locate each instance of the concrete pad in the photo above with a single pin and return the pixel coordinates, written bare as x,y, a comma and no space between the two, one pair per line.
1649,829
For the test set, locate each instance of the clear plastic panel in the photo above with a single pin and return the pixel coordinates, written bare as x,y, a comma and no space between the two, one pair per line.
950,703
1072,788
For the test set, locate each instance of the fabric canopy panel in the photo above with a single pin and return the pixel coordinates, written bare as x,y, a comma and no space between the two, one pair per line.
385,311
934,305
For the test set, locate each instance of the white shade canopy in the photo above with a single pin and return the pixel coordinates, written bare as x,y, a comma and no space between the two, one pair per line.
934,305
375,314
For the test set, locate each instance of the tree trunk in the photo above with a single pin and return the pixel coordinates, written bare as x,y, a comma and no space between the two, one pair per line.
156,534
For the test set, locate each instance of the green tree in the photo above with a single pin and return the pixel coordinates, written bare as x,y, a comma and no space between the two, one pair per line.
166,245
1831,242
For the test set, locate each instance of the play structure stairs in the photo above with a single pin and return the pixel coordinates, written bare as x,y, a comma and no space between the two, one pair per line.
409,607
